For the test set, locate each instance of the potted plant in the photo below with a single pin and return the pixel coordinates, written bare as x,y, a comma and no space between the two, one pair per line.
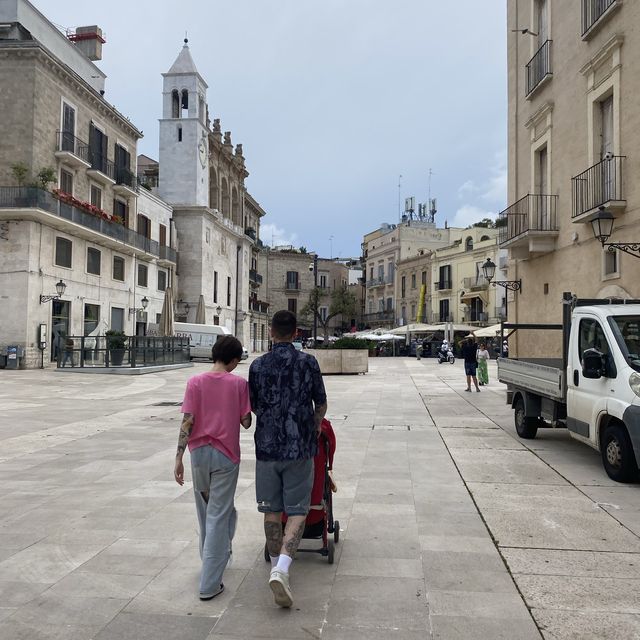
116,343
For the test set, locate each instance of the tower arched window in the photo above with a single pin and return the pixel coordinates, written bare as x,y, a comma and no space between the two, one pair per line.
468,245
184,104
225,198
213,189
175,104
235,207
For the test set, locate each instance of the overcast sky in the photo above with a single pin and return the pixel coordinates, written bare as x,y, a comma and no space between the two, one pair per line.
332,101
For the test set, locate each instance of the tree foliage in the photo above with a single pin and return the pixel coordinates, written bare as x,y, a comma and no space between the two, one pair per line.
341,302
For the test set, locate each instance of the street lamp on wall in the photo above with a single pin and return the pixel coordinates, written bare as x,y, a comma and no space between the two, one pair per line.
489,271
134,310
602,226
60,288
218,310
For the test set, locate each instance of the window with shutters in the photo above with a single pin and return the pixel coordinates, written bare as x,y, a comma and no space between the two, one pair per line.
118,268
98,148
292,305
143,274
121,209
122,160
63,252
67,142
93,261
96,196
215,286
66,182
162,280
144,226
163,235
228,292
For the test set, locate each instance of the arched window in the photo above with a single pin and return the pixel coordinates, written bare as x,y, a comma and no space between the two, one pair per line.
213,189
225,198
235,207
175,104
484,238
185,104
468,244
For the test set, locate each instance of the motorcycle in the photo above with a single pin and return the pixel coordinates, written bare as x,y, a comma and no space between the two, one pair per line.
446,356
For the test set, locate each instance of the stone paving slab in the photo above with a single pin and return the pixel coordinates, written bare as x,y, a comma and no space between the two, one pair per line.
442,511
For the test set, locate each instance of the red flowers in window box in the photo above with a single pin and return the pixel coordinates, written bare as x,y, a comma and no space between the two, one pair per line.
67,198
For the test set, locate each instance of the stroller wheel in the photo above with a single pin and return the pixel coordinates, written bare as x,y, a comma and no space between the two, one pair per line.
332,550
267,557
336,532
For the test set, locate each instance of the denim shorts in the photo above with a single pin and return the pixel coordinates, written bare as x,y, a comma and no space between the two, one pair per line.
470,368
284,486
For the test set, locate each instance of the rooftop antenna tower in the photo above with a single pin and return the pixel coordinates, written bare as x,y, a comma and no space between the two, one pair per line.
431,216
400,197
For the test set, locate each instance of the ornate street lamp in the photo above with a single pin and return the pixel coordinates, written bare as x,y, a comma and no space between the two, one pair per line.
602,226
489,270
144,302
60,287
218,310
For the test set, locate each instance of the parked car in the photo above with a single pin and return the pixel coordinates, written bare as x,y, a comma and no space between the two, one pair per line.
245,354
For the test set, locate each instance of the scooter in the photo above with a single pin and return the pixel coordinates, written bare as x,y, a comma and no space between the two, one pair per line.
446,356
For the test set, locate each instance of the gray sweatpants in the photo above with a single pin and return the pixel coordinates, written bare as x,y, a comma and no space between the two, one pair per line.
215,474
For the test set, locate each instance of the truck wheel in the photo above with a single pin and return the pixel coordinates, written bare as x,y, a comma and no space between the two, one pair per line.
617,454
526,427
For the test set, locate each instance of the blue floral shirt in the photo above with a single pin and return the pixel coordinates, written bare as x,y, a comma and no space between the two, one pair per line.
284,386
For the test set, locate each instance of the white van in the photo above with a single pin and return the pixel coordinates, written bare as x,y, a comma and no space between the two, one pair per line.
202,337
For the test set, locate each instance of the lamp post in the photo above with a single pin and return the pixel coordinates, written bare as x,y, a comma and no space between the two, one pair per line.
314,267
602,226
489,271
144,302
60,287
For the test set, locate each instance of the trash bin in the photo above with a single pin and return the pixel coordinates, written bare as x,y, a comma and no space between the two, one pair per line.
14,357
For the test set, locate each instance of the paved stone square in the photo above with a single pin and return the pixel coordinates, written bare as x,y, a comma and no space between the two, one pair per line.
451,527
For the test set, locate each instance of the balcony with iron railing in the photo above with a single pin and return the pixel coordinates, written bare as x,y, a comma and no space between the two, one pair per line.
71,150
437,317
601,185
442,285
258,306
255,278
126,181
42,206
167,254
102,169
475,282
290,285
375,282
379,316
539,67
529,226
593,14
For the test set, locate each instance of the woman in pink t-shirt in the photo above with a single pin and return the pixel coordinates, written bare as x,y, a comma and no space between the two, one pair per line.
215,404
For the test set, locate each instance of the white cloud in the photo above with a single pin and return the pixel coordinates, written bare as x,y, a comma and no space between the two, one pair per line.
469,214
496,187
467,189
274,236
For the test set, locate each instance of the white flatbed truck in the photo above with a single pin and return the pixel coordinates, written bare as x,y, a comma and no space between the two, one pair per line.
593,391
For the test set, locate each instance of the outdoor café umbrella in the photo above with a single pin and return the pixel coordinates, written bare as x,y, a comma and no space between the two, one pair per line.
200,311
488,332
166,317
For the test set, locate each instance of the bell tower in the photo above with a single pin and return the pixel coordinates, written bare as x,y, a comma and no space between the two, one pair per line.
184,141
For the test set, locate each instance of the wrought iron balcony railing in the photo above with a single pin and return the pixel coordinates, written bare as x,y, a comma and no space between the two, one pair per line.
379,316
34,198
534,212
476,282
68,142
442,285
102,164
592,11
127,178
598,185
255,277
259,306
539,67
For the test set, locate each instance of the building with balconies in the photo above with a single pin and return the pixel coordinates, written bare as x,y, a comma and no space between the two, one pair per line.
383,249
572,141
86,223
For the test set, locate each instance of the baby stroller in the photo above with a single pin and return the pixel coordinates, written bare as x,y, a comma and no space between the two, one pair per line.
319,523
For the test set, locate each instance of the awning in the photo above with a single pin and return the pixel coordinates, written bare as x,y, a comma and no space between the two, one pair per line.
470,295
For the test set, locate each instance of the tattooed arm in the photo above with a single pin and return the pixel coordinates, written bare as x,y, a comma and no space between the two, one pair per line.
183,438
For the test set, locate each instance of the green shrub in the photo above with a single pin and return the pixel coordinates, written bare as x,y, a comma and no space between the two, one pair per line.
116,339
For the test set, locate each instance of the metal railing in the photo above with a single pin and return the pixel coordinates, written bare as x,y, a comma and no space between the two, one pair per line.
255,277
539,67
148,181
379,315
131,351
167,253
376,282
441,317
598,185
442,285
102,164
475,282
35,198
592,11
126,177
292,286
259,306
68,142
534,212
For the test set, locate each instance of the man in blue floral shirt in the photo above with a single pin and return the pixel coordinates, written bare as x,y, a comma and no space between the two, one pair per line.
289,400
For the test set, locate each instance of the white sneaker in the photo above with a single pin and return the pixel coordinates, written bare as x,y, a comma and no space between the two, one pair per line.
279,583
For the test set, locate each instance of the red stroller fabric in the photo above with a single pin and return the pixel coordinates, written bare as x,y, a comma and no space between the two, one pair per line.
327,437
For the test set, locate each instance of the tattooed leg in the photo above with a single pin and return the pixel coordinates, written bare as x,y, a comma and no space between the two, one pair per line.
273,533
292,535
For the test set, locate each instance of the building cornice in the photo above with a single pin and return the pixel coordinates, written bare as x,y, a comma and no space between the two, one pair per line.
71,78
540,114
615,42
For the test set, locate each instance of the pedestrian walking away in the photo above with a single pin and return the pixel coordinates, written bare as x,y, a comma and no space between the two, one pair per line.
289,400
68,351
483,369
215,404
470,355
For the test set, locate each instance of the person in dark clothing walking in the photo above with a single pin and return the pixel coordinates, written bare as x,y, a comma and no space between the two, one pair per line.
289,400
469,353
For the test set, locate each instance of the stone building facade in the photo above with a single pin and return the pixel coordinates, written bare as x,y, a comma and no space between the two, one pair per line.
572,138
89,226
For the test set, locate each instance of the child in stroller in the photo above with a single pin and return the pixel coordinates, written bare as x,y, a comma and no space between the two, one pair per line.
320,523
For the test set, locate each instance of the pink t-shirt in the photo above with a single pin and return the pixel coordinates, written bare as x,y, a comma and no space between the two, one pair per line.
217,401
